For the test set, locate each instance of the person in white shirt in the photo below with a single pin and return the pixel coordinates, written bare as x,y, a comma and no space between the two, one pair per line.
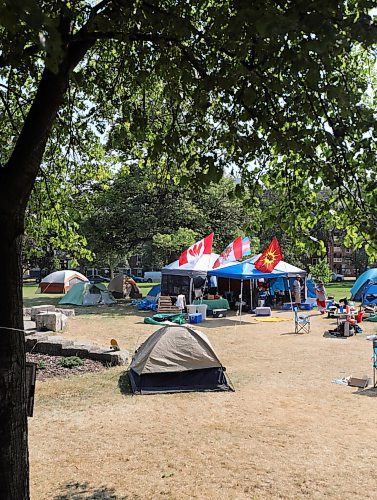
296,290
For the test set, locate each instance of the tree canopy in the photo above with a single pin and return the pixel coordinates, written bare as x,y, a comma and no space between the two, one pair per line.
279,91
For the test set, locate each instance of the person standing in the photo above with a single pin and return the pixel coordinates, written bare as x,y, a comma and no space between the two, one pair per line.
296,290
320,294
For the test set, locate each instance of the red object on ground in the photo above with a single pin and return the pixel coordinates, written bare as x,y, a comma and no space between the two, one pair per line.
359,316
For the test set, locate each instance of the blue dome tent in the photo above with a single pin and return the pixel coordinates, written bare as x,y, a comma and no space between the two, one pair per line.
369,295
361,282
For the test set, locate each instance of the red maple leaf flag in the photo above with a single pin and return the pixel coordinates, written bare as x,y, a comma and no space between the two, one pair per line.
193,253
270,258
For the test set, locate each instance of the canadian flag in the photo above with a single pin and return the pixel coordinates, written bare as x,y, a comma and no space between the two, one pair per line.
232,252
193,253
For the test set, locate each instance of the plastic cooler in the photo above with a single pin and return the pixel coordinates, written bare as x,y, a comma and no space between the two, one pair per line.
219,313
195,318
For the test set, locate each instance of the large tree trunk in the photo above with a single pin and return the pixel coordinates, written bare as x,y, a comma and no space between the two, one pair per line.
14,461
17,179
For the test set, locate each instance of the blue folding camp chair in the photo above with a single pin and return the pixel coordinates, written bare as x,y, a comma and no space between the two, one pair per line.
302,322
374,358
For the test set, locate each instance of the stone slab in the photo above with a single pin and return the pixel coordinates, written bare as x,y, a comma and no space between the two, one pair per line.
50,321
67,312
41,309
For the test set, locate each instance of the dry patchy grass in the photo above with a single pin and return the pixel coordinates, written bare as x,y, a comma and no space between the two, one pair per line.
287,431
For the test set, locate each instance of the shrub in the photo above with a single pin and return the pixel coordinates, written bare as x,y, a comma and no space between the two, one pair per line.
321,271
71,362
41,365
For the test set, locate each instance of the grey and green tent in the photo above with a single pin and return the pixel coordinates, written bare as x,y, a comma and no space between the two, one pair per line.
177,359
87,294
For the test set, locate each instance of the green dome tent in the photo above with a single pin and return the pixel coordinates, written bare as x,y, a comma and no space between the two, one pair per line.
87,294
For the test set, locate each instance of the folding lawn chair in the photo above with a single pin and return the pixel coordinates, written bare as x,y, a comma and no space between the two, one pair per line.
374,358
302,323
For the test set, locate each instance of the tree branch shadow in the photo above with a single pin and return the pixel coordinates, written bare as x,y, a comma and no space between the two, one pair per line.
81,491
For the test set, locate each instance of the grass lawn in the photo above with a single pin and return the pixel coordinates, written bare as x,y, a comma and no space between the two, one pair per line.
287,432
340,290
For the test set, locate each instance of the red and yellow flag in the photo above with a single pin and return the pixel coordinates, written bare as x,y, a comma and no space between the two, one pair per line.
270,258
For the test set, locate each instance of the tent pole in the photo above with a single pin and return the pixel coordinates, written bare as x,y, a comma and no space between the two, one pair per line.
241,300
190,292
251,295
204,286
290,294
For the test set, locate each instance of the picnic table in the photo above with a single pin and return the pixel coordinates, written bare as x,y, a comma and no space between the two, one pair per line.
213,303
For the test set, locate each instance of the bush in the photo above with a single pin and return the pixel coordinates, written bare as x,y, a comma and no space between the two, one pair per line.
71,362
41,365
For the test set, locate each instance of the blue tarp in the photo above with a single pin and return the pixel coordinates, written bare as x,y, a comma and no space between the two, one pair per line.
311,286
361,282
153,293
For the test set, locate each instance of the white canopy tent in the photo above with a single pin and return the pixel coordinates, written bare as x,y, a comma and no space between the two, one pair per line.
178,279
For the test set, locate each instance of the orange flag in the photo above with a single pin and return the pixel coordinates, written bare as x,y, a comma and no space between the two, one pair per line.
270,258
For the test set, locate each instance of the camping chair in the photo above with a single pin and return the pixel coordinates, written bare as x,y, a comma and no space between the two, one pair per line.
302,323
374,358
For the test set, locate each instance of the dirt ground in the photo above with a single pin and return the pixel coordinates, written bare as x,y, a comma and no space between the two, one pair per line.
287,431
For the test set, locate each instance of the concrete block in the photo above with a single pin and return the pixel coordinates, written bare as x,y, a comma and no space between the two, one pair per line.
27,312
32,340
67,312
80,350
51,321
41,309
111,358
47,347
64,321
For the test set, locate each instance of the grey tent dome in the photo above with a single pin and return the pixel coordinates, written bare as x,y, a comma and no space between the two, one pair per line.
177,359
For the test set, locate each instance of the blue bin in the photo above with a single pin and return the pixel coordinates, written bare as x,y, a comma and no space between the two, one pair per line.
287,306
306,307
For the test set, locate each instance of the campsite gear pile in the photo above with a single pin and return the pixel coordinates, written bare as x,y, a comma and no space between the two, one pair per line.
177,359
161,319
150,302
124,287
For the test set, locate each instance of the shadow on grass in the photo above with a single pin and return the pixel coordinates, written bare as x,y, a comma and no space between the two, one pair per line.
218,323
328,335
40,300
124,384
81,491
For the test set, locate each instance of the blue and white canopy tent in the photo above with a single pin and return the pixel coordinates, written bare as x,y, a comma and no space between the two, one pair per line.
246,271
